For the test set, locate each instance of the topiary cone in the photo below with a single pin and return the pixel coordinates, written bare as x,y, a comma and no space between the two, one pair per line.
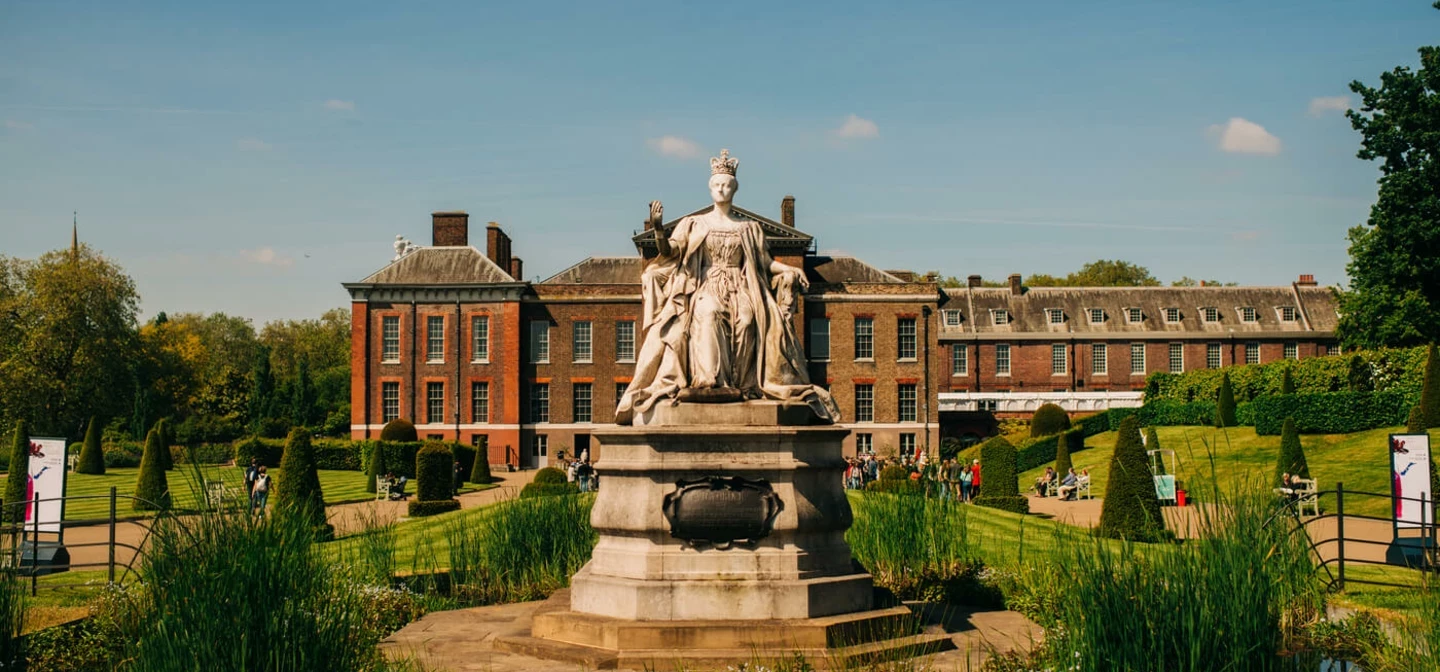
1292,454
1430,392
376,466
297,486
92,456
434,475
1131,509
152,489
15,485
1152,442
480,472
1225,403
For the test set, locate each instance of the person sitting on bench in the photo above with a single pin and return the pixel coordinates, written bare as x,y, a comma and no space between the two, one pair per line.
1068,485
397,487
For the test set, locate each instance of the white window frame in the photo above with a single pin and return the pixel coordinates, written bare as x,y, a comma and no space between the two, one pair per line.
999,317
1137,370
1099,359
539,341
1054,316
539,401
386,400
1176,313
868,397
540,446
1287,313
1092,313
480,339
814,329
959,359
910,404
1059,354
864,444
585,354
625,341
431,398
480,401
1252,347
434,354
1214,356
588,398
387,340
865,339
1002,364
1171,358
1292,351
907,341
1249,315
1134,315
952,317
907,438
1209,314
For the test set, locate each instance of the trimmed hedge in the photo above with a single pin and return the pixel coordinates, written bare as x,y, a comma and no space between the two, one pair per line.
549,475
297,487
420,509
152,489
1044,450
92,456
1384,369
1131,509
1049,419
399,429
1169,413
120,458
1430,390
1069,442
480,467
204,453
534,489
376,467
1331,412
1000,488
347,455
434,473
15,485
1225,403
894,472
1292,454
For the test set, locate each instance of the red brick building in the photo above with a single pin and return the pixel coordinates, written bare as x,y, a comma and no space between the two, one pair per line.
449,337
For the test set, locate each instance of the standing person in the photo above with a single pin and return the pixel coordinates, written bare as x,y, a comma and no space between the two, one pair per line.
251,473
582,476
459,479
872,469
260,492
975,479
965,482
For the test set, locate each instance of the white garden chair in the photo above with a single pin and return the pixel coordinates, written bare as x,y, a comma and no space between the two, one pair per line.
1082,490
1306,496
215,493
382,488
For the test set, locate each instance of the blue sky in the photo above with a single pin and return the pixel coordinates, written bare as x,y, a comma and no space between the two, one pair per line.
250,158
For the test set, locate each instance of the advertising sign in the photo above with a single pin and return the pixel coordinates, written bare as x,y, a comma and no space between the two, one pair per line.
1410,477
46,481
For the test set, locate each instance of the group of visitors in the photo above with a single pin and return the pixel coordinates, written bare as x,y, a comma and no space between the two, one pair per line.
582,473
1066,487
257,486
949,479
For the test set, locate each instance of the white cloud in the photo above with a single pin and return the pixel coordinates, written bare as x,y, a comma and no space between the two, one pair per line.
1319,106
340,105
252,145
857,127
16,125
267,256
674,146
1241,136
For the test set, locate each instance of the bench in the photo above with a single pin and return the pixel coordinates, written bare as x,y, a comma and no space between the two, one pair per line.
382,488
1306,496
215,493
1082,490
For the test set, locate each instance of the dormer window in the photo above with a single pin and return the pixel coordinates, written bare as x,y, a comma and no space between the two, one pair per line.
1210,314
1134,315
1000,316
1288,314
1248,314
1172,315
952,317
1097,315
1055,315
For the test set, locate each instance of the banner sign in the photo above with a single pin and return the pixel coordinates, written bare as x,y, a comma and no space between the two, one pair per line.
1410,477
46,480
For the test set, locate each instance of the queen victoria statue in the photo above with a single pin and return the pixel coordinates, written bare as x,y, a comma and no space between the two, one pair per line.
717,314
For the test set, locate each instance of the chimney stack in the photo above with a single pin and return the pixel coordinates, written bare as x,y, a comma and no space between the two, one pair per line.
974,281
517,269
449,229
497,247
1306,280
1015,288
787,211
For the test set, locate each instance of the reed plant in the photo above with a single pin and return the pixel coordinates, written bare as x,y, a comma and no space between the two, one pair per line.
917,547
520,549
12,620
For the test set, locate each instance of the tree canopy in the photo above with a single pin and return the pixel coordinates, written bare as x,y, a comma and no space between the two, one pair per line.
1394,269
1099,273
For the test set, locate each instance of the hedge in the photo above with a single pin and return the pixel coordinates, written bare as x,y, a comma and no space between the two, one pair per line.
1042,451
1130,509
1000,484
1166,413
434,472
347,455
1385,369
92,456
549,475
534,489
399,430
1331,412
419,509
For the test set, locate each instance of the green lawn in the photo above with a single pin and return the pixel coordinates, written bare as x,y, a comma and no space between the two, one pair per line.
186,492
1238,456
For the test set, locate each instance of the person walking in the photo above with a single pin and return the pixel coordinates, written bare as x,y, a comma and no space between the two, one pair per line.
966,482
251,473
260,491
975,479
459,479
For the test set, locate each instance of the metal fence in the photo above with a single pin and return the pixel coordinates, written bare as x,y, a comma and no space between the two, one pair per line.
1359,539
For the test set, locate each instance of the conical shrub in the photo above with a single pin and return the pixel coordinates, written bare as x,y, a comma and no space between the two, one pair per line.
152,489
1000,485
1063,462
1415,421
1152,442
15,486
1049,419
1131,509
1292,454
376,466
297,486
1287,382
1225,403
1430,393
92,456
480,472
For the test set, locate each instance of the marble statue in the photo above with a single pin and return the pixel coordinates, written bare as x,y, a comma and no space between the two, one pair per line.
717,314
403,247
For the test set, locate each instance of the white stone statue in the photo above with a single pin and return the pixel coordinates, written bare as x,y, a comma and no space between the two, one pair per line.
403,247
717,312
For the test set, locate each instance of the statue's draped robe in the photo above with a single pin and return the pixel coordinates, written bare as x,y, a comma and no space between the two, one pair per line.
671,287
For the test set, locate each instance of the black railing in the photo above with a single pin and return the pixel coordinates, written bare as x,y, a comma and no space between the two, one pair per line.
1425,542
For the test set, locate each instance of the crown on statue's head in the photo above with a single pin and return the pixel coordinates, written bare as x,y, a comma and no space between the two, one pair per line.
723,164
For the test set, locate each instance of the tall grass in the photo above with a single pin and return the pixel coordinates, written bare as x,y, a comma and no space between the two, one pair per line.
12,620
917,547
521,549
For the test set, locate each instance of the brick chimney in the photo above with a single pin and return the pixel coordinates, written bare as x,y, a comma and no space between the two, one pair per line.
1015,288
449,229
517,269
1306,280
497,246
974,281
787,211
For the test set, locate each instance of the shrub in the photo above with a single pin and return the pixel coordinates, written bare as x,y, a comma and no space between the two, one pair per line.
894,472
549,475
1131,510
420,509
1292,454
480,470
152,489
434,472
376,467
1152,442
1225,403
1000,487
204,453
1287,382
167,439
1415,421
120,458
1385,369
533,489
92,458
1063,463
399,429
1049,419
297,486
15,486
337,454
1166,413
264,451
1046,449
1430,391
1331,412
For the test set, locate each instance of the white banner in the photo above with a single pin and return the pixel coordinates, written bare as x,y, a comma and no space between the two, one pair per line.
46,481
1410,477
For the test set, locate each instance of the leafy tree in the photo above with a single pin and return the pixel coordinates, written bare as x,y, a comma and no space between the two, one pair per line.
1292,454
1287,382
480,471
1049,419
262,389
1225,403
152,488
1100,273
1430,392
297,486
302,396
1000,485
1394,269
1131,509
67,337
92,455
1187,281
16,474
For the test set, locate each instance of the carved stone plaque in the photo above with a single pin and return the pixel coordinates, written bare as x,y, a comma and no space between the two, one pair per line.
719,511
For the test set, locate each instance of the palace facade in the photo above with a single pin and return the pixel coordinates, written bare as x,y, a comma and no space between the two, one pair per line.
450,337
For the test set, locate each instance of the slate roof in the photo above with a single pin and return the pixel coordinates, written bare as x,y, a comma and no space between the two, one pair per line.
440,266
1316,310
836,270
600,271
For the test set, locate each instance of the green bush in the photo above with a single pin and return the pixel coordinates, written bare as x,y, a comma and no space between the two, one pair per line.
204,453
420,509
152,488
1292,454
1331,412
297,486
1225,403
434,472
1131,509
15,486
480,467
120,458
894,472
1048,419
92,457
1430,390
1415,421
1000,484
1165,413
1045,450
534,489
265,451
375,468
1287,382
400,430
1063,464
549,475
1385,369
